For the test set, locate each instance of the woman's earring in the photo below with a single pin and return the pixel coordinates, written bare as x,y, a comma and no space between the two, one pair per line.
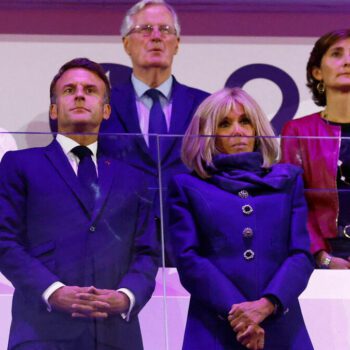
320,87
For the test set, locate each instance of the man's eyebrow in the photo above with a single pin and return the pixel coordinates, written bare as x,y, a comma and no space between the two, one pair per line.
68,85
85,85
91,85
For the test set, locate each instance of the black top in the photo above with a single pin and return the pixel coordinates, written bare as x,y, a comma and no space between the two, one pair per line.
344,171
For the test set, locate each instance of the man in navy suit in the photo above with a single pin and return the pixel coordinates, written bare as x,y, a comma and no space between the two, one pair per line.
76,236
151,36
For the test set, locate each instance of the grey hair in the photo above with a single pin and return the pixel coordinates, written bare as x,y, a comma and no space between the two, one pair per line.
199,142
128,21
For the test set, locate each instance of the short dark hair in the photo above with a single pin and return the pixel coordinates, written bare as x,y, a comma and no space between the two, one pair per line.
84,63
320,48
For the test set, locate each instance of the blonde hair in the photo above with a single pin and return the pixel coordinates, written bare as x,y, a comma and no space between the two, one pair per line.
199,146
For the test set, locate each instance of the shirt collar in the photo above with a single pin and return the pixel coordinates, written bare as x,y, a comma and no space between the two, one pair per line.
140,87
68,144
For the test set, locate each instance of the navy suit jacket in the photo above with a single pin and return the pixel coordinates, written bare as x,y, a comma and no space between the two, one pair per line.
47,234
206,229
124,120
121,136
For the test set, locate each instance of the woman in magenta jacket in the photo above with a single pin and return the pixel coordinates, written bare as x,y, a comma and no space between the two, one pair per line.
318,143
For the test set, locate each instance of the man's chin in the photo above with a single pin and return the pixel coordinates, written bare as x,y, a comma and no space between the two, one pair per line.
81,126
157,64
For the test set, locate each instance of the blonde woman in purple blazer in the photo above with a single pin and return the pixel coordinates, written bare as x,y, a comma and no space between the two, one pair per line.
238,229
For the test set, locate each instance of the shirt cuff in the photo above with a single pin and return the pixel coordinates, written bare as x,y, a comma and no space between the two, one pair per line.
49,291
131,296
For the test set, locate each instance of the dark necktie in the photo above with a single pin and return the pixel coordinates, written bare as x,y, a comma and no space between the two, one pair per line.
157,122
87,173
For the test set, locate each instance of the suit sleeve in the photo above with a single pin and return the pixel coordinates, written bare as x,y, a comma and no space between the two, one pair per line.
198,274
17,262
140,277
293,275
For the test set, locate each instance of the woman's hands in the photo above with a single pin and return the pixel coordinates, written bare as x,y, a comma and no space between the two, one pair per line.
245,318
339,263
333,262
252,338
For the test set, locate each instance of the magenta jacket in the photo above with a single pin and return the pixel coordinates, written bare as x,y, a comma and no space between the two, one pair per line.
313,144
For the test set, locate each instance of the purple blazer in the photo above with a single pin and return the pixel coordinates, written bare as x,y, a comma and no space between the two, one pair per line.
48,234
239,236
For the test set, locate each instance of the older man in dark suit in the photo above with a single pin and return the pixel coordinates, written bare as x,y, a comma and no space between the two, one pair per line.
152,103
76,239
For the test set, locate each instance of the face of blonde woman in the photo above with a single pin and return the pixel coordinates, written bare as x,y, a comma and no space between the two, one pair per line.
334,70
235,133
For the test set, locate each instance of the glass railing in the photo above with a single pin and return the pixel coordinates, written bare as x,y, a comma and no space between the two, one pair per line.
140,228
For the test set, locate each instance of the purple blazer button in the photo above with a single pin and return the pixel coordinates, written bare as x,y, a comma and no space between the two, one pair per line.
248,232
248,254
247,209
243,194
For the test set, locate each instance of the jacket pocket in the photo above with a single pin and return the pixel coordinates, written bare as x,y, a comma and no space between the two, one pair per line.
43,251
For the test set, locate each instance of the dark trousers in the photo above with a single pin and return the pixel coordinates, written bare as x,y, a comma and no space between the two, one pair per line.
86,341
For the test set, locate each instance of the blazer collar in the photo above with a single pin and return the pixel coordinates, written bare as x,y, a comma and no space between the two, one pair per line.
105,181
125,102
182,103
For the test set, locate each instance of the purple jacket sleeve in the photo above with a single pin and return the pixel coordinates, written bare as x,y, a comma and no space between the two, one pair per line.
293,275
18,263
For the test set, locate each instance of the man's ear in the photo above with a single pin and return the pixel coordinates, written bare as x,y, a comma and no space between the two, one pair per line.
177,46
53,111
126,45
106,111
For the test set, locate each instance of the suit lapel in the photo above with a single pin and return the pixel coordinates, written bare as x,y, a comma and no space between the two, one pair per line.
182,104
105,180
181,109
60,162
125,103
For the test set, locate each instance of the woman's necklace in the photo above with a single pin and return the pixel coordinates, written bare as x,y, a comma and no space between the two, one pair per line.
341,174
